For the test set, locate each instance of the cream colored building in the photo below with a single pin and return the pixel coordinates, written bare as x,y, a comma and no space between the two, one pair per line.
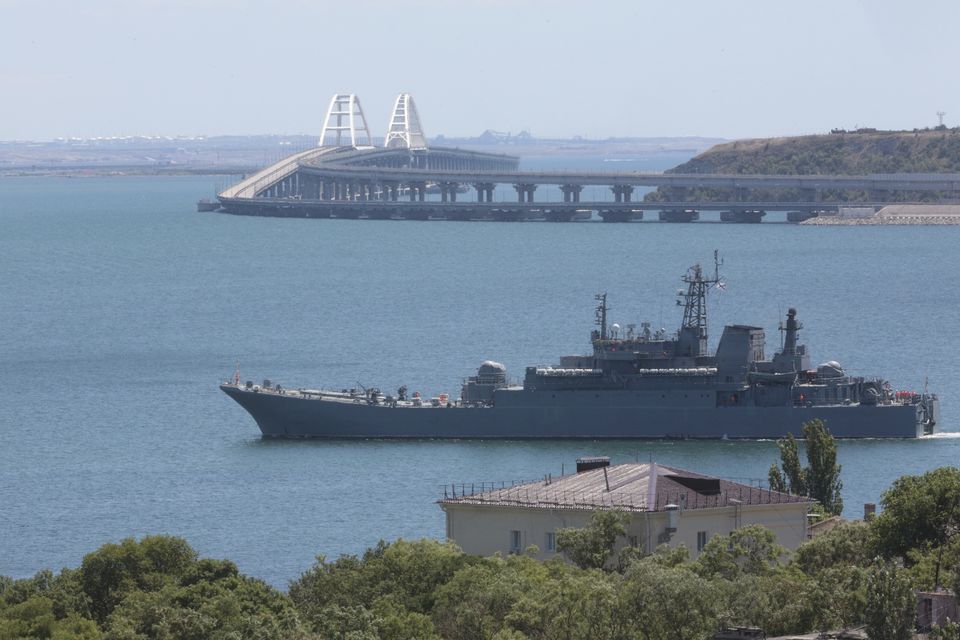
667,505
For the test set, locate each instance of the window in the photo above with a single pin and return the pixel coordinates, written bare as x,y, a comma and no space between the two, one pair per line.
514,541
551,541
701,540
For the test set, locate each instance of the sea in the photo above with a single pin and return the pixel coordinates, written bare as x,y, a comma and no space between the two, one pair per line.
122,308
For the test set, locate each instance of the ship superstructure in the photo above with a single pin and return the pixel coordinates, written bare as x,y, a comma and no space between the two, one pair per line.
634,384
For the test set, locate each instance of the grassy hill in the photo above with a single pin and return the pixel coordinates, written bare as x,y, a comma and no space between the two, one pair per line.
858,152
852,153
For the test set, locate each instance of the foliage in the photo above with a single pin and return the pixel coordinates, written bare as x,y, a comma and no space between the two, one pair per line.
919,512
820,479
848,543
949,631
592,546
669,603
793,479
934,567
114,570
34,618
890,604
823,474
749,550
850,153
157,588
391,588
152,588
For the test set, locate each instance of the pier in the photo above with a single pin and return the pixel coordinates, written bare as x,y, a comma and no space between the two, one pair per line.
346,176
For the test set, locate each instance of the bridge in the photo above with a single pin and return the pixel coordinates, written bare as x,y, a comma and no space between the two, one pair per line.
347,176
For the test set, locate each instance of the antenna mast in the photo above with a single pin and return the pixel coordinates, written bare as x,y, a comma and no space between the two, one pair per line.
601,315
693,332
940,115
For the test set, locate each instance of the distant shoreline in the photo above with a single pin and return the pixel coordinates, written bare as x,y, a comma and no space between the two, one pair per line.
244,155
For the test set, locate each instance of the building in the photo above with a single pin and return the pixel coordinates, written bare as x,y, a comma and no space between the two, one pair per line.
667,505
937,607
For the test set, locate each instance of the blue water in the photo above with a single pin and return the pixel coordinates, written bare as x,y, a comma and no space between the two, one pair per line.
121,308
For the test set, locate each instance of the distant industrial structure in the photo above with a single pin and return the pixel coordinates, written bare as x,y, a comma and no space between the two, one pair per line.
345,176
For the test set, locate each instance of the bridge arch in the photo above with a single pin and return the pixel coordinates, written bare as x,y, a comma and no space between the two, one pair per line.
404,129
345,123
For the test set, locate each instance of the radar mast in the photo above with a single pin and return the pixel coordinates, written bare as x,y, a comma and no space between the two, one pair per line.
693,331
600,316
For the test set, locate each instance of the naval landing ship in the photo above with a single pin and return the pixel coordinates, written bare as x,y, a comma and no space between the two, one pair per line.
635,384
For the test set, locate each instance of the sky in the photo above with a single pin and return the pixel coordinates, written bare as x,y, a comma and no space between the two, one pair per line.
556,68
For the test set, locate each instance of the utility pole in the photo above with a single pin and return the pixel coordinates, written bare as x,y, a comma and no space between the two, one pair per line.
940,115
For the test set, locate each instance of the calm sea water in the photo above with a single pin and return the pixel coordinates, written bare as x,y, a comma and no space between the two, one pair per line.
121,308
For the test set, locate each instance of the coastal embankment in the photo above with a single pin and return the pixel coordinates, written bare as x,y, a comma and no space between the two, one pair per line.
896,214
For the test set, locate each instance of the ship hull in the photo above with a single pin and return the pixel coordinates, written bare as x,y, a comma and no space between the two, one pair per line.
586,416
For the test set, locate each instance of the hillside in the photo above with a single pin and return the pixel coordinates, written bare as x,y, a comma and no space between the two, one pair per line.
841,152
861,152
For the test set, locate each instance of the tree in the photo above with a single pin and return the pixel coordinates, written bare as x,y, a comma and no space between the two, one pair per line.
793,479
949,631
750,550
592,546
847,544
477,601
113,570
821,478
891,607
919,512
668,603
823,474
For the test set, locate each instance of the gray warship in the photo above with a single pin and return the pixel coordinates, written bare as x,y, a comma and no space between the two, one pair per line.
634,384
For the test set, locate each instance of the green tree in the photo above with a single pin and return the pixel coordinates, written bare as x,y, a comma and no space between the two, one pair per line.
478,600
570,603
391,588
820,479
919,512
223,605
949,631
751,550
823,472
35,618
793,478
779,601
592,546
108,574
847,544
891,607
668,603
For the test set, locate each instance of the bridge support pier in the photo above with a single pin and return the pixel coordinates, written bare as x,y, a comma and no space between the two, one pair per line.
448,191
484,191
525,191
622,192
417,190
571,192
391,191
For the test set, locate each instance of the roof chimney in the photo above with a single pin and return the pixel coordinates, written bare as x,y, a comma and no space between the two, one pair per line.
587,463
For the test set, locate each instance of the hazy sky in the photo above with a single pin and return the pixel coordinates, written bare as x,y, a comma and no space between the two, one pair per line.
598,68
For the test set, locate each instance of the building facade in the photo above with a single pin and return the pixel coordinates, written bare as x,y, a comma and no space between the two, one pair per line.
666,506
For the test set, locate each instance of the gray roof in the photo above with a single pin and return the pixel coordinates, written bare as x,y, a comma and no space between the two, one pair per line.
631,487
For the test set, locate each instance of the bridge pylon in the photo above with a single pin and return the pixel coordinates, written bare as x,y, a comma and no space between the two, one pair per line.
405,129
343,117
